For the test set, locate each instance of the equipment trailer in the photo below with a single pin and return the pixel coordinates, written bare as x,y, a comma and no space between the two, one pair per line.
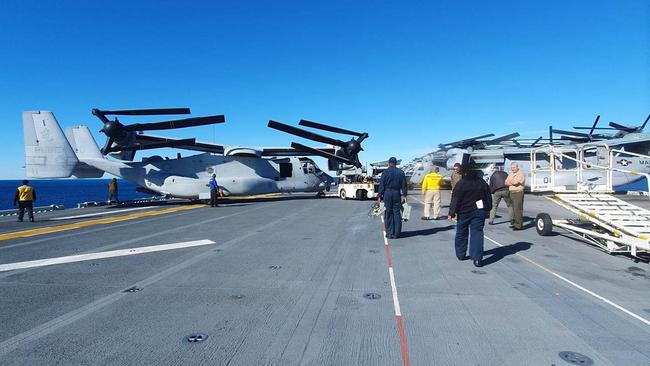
605,221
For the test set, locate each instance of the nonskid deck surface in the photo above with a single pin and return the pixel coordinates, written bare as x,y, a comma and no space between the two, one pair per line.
284,284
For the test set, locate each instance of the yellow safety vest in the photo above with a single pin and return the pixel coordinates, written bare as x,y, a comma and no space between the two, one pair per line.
25,193
431,181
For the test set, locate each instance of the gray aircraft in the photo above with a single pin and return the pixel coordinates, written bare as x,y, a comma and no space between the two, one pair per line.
51,153
632,144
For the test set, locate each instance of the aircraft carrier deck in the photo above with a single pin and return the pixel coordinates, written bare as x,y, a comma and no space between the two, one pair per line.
304,281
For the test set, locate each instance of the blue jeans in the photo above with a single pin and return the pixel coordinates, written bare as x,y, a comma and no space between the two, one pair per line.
393,215
470,225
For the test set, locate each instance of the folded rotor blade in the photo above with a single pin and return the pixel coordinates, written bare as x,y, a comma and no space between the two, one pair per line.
594,126
321,126
575,139
305,134
324,154
179,123
288,151
644,123
502,138
571,133
146,112
621,127
467,140
157,145
536,141
195,146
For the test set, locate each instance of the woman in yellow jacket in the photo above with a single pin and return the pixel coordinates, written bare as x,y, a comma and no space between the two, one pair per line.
431,191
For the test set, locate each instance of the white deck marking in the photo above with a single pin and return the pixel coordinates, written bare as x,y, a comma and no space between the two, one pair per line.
101,255
393,286
101,213
642,319
391,274
601,298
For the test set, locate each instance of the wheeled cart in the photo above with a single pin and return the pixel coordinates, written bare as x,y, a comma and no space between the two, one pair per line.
611,224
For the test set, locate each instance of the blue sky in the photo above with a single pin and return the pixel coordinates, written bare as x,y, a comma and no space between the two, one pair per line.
411,74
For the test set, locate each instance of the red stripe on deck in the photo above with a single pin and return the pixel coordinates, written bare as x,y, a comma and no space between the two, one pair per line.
406,361
388,256
402,341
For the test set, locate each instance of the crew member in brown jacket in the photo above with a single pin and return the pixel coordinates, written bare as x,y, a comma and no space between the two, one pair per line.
515,183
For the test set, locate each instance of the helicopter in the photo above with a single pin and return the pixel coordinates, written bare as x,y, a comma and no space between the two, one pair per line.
51,153
489,153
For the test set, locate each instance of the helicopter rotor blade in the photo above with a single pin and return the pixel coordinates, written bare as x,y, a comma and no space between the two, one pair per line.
179,123
144,112
620,127
571,133
591,128
471,139
502,138
594,126
644,123
158,145
536,141
329,128
324,154
304,134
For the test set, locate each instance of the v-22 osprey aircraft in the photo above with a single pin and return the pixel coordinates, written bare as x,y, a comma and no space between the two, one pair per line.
51,153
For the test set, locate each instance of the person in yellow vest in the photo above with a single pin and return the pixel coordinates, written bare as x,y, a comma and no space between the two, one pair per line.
431,191
112,191
25,197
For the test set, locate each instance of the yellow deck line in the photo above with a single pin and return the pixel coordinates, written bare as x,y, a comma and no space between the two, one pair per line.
78,225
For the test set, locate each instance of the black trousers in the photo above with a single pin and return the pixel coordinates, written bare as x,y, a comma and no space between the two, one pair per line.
393,213
25,205
214,197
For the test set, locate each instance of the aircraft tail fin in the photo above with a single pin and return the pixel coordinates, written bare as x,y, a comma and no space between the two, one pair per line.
47,151
84,146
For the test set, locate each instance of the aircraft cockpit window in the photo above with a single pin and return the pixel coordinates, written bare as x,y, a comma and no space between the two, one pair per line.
642,148
286,170
308,168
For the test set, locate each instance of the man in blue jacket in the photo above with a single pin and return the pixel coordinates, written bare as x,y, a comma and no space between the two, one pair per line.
214,191
392,190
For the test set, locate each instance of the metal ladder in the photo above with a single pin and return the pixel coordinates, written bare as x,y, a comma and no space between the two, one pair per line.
618,226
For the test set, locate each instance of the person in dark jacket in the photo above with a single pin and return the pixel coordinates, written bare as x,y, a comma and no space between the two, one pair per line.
500,192
393,191
214,191
470,203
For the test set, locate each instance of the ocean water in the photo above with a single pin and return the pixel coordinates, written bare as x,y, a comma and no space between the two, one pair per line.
67,192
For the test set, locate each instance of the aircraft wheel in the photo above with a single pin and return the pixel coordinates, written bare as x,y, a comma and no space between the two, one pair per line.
342,194
544,224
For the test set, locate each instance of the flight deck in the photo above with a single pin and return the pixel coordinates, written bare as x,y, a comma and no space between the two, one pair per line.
298,280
